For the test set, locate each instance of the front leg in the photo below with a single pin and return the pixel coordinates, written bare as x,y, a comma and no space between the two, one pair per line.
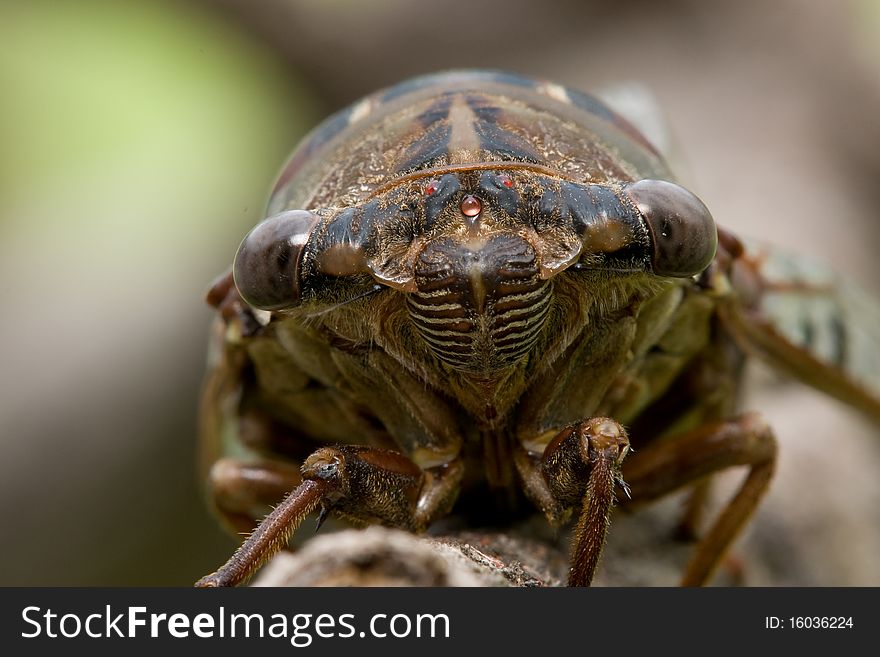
364,484
585,460
579,469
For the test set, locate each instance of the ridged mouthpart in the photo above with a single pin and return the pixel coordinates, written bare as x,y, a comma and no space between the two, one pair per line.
479,306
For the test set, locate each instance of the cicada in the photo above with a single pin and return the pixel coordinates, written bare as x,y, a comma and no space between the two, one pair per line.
475,288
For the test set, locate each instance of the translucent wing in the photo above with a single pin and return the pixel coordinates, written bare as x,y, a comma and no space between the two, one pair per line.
805,320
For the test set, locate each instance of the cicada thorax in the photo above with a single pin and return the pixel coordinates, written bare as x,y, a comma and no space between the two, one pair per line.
461,118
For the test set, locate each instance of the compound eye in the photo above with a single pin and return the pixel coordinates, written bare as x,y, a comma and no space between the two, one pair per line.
682,229
268,265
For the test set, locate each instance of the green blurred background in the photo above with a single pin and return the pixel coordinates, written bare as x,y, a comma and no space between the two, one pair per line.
138,141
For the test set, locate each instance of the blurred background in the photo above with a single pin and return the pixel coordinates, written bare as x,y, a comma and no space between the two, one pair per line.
138,142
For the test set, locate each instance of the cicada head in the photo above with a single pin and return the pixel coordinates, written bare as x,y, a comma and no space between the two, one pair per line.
475,252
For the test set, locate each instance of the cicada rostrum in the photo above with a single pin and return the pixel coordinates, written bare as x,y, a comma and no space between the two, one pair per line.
477,286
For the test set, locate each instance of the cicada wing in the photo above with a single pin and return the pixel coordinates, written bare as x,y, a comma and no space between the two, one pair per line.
807,321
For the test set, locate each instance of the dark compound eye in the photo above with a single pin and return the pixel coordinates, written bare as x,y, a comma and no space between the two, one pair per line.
268,265
682,229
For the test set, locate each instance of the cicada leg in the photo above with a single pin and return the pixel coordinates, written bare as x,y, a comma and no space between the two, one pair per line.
667,465
694,510
242,490
579,470
364,484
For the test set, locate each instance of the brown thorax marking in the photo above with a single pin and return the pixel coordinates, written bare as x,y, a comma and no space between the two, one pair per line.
464,142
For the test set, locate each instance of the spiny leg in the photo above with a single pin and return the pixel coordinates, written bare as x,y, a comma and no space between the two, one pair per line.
579,470
360,483
269,537
662,467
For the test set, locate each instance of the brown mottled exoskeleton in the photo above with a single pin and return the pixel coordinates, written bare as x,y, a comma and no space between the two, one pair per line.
473,280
